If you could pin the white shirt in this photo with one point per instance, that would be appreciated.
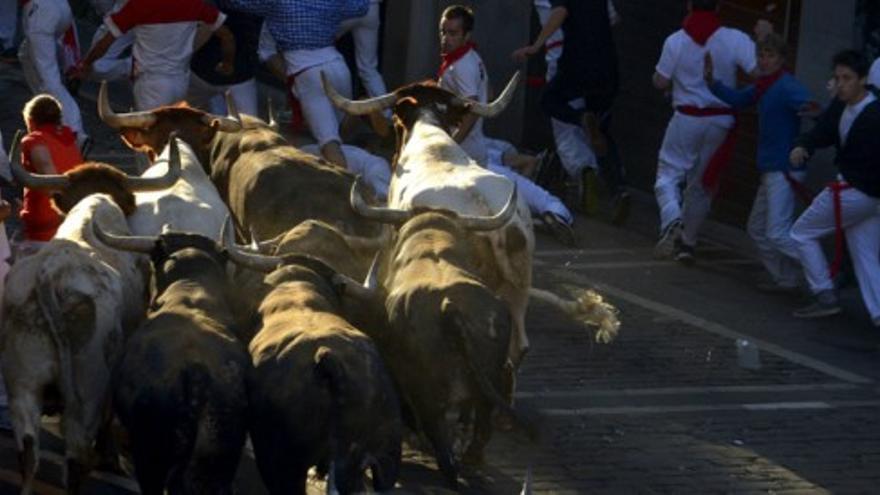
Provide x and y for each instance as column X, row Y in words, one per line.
column 682, row 62
column 874, row 74
column 467, row 77
column 851, row 113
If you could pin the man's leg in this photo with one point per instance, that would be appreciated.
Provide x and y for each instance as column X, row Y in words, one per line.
column 863, row 240
column 697, row 201
column 245, row 97
column 816, row 222
column 203, row 95
column 366, row 43
column 154, row 91
column 757, row 230
column 113, row 66
column 319, row 113
column 677, row 155
column 780, row 217
column 540, row 202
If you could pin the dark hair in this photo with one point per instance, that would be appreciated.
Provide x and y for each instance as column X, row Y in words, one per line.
column 42, row 109
column 461, row 12
column 773, row 43
column 853, row 59
column 710, row 5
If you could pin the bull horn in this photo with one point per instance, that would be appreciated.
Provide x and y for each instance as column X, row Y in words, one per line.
column 366, row 291
column 359, row 107
column 379, row 214
column 167, row 180
column 485, row 223
column 273, row 121
column 497, row 106
column 239, row 256
column 231, row 107
column 27, row 179
column 140, row 120
column 222, row 124
column 527, row 483
column 132, row 243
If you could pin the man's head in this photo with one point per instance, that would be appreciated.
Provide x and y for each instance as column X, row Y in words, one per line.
column 772, row 51
column 456, row 25
column 850, row 75
column 42, row 109
column 703, row 5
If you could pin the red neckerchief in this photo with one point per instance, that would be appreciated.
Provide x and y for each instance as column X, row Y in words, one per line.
column 763, row 83
column 454, row 56
column 61, row 133
column 700, row 25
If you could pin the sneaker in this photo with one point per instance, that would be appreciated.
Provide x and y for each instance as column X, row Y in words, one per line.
column 561, row 230
column 666, row 244
column 684, row 254
column 818, row 309
column 620, row 205
column 589, row 192
column 597, row 138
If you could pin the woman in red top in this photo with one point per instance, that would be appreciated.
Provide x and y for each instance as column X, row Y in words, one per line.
column 48, row 148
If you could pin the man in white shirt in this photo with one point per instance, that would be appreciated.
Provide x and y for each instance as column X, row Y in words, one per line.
column 164, row 31
column 849, row 206
column 115, row 65
column 463, row 73
column 698, row 138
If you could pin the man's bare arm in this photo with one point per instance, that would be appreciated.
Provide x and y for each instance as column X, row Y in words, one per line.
column 554, row 22
column 42, row 160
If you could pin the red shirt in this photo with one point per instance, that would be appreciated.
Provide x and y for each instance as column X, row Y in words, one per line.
column 39, row 219
column 138, row 12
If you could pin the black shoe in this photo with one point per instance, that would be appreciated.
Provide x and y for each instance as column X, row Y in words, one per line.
column 666, row 244
column 560, row 229
column 684, row 254
column 818, row 309
column 620, row 206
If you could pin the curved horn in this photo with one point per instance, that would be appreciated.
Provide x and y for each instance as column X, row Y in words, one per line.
column 167, row 180
column 27, row 179
column 360, row 107
column 481, row 223
column 497, row 106
column 133, row 243
column 222, row 124
column 379, row 214
column 231, row 107
column 239, row 256
column 141, row 120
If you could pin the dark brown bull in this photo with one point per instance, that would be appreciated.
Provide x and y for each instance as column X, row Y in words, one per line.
column 269, row 185
column 181, row 386
column 319, row 391
column 448, row 334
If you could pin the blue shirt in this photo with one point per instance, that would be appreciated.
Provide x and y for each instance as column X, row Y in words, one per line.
column 303, row 24
column 778, row 121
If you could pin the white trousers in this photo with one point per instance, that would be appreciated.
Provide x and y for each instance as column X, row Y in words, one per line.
column 8, row 23
column 688, row 146
column 770, row 225
column 323, row 118
column 211, row 98
column 43, row 24
column 113, row 66
column 861, row 222
column 156, row 90
column 374, row 169
column 365, row 31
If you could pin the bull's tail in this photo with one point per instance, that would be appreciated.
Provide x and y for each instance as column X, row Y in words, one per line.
column 54, row 316
column 588, row 307
column 461, row 328
column 330, row 374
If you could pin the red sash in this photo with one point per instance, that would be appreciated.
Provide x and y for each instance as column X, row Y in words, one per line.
column 724, row 154
column 454, row 56
column 800, row 190
column 837, row 187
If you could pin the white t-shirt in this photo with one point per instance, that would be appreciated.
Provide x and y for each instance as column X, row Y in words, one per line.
column 682, row 62
column 467, row 77
column 874, row 74
column 850, row 113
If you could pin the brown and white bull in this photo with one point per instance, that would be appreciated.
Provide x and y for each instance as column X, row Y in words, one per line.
column 67, row 310
column 268, row 185
column 181, row 388
column 431, row 170
column 448, row 334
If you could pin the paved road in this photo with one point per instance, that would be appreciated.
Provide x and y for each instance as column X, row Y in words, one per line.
column 664, row 409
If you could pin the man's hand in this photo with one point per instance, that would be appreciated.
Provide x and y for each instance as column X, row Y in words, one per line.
column 523, row 54
column 799, row 156
column 708, row 69
column 810, row 109
column 763, row 28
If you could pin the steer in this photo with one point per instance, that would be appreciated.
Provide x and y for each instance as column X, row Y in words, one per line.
column 448, row 334
column 268, row 185
column 66, row 311
column 180, row 390
column 431, row 170
column 319, row 392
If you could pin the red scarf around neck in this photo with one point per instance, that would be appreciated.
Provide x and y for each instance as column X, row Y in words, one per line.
column 700, row 25
column 764, row 83
column 454, row 56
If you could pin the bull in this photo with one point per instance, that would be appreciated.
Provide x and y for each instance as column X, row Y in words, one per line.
column 180, row 390
column 268, row 185
column 67, row 310
column 319, row 392
column 431, row 170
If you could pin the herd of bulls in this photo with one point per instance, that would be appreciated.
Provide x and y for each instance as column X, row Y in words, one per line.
column 242, row 287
